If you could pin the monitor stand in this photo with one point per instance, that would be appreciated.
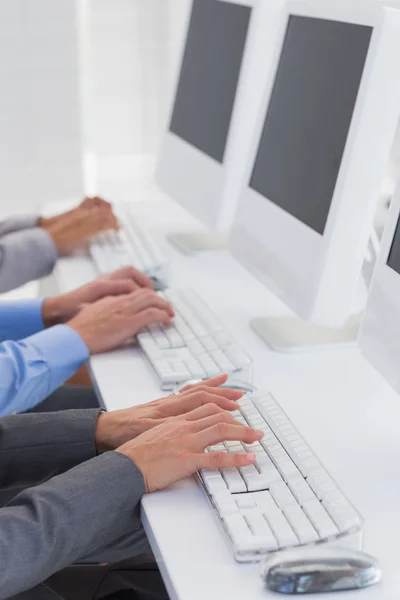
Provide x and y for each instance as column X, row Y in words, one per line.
column 295, row 335
column 198, row 241
column 292, row 334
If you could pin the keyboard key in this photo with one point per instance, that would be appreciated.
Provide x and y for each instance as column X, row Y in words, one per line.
column 131, row 245
column 215, row 484
column 225, row 503
column 300, row 524
column 282, row 495
column 300, row 490
column 321, row 484
column 246, row 501
column 260, row 528
column 341, row 511
column 320, row 518
column 278, row 523
column 236, row 356
column 234, row 480
column 238, row 529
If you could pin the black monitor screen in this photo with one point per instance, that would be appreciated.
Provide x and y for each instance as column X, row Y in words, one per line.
column 394, row 254
column 309, row 116
column 209, row 75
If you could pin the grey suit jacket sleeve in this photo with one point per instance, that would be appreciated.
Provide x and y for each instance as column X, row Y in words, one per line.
column 58, row 522
column 17, row 223
column 24, row 256
column 37, row 446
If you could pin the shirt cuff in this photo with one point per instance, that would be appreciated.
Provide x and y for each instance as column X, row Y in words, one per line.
column 63, row 350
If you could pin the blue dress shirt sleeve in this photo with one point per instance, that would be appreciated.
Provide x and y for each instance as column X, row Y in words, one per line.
column 31, row 369
column 20, row 318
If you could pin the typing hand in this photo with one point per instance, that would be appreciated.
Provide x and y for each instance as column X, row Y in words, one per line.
column 112, row 321
column 115, row 428
column 121, row 282
column 176, row 449
column 75, row 228
column 87, row 203
column 129, row 273
column 94, row 201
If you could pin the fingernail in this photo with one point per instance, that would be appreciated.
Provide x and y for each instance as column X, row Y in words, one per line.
column 259, row 433
column 251, row 457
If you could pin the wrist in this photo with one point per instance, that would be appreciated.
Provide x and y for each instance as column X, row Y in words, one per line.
column 52, row 311
column 116, row 428
column 46, row 222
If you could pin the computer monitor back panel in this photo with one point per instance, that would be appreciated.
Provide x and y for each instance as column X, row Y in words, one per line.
column 220, row 40
column 319, row 154
column 379, row 337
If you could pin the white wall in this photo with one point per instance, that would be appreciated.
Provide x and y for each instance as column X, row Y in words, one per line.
column 40, row 120
column 133, row 49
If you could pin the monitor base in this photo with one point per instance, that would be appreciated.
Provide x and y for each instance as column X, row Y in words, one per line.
column 198, row 241
column 295, row 335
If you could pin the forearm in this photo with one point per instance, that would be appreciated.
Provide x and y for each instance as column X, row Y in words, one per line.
column 33, row 368
column 53, row 525
column 24, row 256
column 35, row 447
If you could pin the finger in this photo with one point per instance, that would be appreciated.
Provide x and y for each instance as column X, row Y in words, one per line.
column 141, row 279
column 196, row 399
column 148, row 299
column 190, row 402
column 107, row 219
column 222, row 432
column 200, row 412
column 114, row 288
column 213, row 382
column 201, row 388
column 223, row 460
column 99, row 201
column 150, row 315
column 124, row 273
column 211, row 420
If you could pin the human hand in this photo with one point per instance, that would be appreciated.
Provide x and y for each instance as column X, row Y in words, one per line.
column 94, row 201
column 112, row 321
column 74, row 229
column 176, row 449
column 87, row 203
column 121, row 282
column 117, row 427
column 139, row 279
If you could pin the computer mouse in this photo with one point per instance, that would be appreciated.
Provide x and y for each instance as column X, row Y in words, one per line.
column 319, row 569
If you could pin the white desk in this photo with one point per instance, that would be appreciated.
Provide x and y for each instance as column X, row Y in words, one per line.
column 343, row 408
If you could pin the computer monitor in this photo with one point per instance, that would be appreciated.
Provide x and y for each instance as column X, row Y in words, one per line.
column 379, row 338
column 221, row 40
column 319, row 154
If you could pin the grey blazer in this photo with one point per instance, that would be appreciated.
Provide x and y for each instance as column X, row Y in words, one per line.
column 26, row 252
column 80, row 501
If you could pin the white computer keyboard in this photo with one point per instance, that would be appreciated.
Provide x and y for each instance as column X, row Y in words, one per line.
column 197, row 346
column 287, row 498
column 133, row 245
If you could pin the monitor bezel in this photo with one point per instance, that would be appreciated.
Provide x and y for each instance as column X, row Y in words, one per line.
column 319, row 279
column 379, row 338
column 188, row 175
